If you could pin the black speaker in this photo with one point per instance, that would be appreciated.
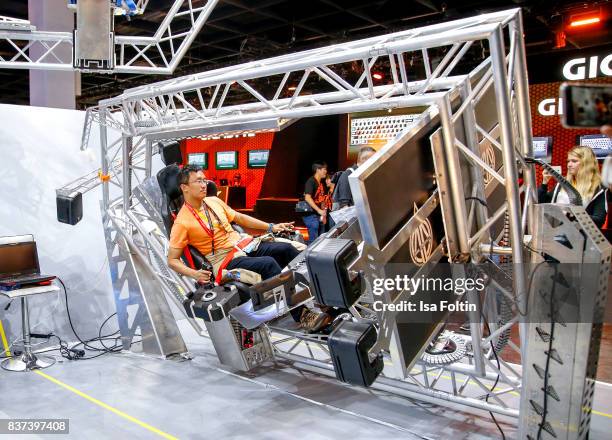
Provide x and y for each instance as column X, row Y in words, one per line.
column 171, row 152
column 69, row 208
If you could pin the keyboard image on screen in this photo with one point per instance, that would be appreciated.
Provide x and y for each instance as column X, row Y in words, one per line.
column 366, row 130
column 599, row 143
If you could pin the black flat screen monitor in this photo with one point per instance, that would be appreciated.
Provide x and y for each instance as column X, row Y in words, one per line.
column 258, row 158
column 599, row 143
column 542, row 148
column 227, row 160
column 198, row 159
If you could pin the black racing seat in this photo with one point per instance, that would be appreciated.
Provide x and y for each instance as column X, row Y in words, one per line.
column 172, row 201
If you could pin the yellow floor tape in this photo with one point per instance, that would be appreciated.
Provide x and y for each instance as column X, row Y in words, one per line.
column 7, row 350
column 107, row 407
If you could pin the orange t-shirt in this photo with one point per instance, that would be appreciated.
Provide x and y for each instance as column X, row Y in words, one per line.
column 187, row 230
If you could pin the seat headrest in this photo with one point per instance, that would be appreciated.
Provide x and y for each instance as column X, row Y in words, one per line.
column 168, row 181
column 170, row 152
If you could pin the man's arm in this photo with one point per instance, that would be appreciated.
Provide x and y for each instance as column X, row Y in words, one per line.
column 176, row 264
column 343, row 193
column 252, row 223
column 599, row 211
column 312, row 204
column 309, row 191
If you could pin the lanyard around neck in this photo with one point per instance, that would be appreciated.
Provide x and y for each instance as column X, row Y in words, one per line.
column 210, row 229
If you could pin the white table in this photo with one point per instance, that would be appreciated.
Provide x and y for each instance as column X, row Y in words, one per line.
column 28, row 360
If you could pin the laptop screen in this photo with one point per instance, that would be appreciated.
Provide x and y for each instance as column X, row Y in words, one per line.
column 18, row 259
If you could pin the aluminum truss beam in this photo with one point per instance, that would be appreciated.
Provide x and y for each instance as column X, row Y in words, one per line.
column 133, row 54
column 206, row 99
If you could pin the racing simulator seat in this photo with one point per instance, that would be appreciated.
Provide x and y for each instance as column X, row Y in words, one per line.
column 240, row 341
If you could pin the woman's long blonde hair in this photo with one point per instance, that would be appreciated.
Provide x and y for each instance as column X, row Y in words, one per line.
column 588, row 179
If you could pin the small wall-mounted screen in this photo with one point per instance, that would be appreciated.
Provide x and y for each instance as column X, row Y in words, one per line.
column 542, row 148
column 258, row 158
column 227, row 160
column 599, row 143
column 198, row 159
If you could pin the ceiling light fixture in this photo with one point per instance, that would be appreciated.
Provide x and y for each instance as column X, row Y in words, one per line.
column 584, row 21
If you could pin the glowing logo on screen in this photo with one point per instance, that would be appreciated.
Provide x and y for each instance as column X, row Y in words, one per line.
column 421, row 242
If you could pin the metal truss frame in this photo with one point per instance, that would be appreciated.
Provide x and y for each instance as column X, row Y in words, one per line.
column 133, row 54
column 205, row 99
column 200, row 104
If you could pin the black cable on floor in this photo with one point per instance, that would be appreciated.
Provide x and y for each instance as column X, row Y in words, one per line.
column 115, row 348
column 496, row 381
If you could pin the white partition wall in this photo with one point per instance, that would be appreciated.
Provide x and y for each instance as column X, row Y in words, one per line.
column 40, row 151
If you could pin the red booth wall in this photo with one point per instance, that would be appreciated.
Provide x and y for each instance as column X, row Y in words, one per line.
column 251, row 178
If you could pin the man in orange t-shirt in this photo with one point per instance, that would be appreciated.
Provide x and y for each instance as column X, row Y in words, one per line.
column 205, row 223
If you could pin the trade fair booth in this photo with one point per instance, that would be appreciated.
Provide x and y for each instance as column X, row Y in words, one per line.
column 459, row 303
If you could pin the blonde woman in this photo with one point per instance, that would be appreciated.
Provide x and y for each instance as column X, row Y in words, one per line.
column 583, row 174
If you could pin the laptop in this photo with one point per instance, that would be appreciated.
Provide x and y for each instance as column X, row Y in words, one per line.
column 19, row 263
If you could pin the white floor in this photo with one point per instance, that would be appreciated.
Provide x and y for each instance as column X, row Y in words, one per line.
column 138, row 397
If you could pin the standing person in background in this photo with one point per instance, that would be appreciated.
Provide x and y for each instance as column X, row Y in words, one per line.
column 583, row 174
column 342, row 195
column 317, row 193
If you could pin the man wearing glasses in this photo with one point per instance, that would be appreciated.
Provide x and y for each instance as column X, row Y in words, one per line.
column 205, row 223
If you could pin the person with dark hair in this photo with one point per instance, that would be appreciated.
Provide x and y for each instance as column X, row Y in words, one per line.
column 205, row 223
column 317, row 193
column 342, row 195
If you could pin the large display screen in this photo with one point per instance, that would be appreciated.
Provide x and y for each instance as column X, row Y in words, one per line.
column 198, row 159
column 599, row 143
column 227, row 160
column 258, row 158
